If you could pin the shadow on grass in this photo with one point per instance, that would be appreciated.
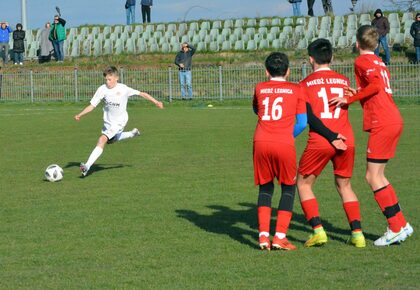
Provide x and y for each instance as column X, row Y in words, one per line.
column 227, row 221
column 97, row 167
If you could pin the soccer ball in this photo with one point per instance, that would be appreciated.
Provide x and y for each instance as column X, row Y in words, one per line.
column 54, row 173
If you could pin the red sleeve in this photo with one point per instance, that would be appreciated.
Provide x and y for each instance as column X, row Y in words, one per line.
column 302, row 99
column 369, row 91
column 255, row 102
column 369, row 75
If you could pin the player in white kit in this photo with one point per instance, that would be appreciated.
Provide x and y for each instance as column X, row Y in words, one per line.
column 115, row 97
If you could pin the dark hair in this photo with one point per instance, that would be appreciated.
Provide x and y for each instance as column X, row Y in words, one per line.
column 367, row 36
column 19, row 25
column 277, row 64
column 111, row 70
column 321, row 51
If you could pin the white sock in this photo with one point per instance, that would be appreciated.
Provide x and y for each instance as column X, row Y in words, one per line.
column 124, row 135
column 280, row 235
column 264, row 234
column 94, row 156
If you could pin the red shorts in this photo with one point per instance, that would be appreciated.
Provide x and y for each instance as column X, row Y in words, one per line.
column 383, row 141
column 314, row 160
column 274, row 160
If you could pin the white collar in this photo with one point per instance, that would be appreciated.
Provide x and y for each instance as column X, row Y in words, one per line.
column 368, row 52
column 323, row 69
column 278, row 79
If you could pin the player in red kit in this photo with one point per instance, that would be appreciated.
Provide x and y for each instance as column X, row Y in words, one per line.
column 277, row 103
column 324, row 120
column 383, row 122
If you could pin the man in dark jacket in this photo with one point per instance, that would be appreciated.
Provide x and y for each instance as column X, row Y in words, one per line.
column 18, row 44
column 415, row 33
column 146, row 7
column 183, row 60
column 380, row 22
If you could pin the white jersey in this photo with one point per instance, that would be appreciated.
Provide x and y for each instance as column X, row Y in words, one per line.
column 115, row 103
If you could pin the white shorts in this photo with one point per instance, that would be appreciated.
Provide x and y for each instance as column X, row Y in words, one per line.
column 110, row 131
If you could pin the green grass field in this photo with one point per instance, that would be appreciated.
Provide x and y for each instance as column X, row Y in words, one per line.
column 176, row 207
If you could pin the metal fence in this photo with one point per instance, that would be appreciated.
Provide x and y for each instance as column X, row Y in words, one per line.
column 209, row 83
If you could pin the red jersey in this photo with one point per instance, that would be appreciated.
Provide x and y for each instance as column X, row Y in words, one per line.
column 321, row 86
column 278, row 102
column 378, row 110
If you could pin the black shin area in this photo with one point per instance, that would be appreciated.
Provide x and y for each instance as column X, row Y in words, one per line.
column 287, row 197
column 265, row 194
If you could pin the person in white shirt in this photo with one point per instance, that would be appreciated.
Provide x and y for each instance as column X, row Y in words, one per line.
column 115, row 96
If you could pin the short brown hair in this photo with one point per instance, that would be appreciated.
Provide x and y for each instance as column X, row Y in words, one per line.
column 367, row 36
column 111, row 70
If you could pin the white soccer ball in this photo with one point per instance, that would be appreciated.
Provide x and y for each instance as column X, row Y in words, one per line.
column 54, row 173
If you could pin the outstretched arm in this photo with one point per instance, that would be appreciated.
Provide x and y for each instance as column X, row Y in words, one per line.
column 352, row 95
column 151, row 99
column 85, row 111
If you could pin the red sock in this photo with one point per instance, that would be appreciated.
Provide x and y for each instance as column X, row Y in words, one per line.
column 400, row 215
column 264, row 217
column 310, row 209
column 384, row 199
column 352, row 209
column 283, row 221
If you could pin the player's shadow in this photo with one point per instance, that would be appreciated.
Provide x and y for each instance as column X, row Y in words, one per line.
column 97, row 167
column 242, row 225
column 238, row 224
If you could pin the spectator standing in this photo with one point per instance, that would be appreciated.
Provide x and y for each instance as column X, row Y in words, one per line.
column 130, row 9
column 326, row 4
column 296, row 7
column 45, row 48
column 5, row 30
column 18, row 44
column 415, row 33
column 57, row 37
column 183, row 60
column 381, row 23
column 146, row 7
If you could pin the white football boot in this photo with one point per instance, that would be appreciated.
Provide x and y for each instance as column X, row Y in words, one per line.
column 408, row 229
column 135, row 132
column 390, row 238
column 83, row 169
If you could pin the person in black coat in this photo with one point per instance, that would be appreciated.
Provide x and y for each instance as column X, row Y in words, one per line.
column 415, row 33
column 18, row 44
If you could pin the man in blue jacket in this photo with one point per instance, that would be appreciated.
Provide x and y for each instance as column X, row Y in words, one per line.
column 5, row 30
